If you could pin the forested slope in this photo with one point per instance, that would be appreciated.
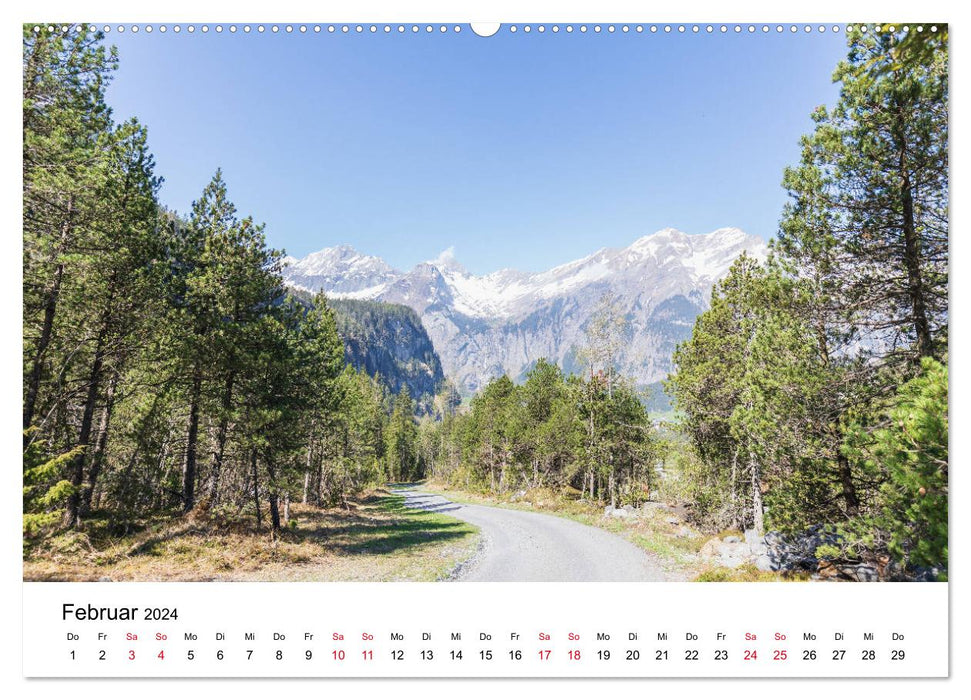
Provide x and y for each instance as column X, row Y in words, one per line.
column 388, row 342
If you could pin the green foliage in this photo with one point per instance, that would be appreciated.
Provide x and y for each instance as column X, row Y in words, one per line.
column 868, row 211
column 165, row 368
column 783, row 386
column 552, row 431
column 401, row 441
column 750, row 383
column 44, row 491
column 910, row 453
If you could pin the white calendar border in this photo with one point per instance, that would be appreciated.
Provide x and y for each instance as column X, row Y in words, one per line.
column 560, row 620
column 445, row 10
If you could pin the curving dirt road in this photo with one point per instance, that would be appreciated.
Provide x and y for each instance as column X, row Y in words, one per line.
column 525, row 546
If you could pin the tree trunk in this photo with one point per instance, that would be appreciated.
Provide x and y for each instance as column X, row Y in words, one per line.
column 37, row 365
column 286, row 507
column 850, row 497
column 221, row 433
column 274, row 512
column 273, row 498
column 97, row 458
column 72, row 511
column 736, row 516
column 915, row 282
column 256, row 491
column 47, row 329
column 165, row 469
column 321, row 480
column 758, row 517
column 191, row 443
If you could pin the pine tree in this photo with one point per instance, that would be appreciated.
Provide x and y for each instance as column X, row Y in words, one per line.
column 226, row 280
column 748, row 383
column 118, row 296
column 66, row 133
column 401, row 448
column 869, row 199
column 909, row 454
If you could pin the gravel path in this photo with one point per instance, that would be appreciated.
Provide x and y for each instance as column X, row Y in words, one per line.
column 525, row 546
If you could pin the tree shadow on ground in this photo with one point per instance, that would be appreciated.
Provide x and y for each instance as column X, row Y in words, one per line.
column 406, row 528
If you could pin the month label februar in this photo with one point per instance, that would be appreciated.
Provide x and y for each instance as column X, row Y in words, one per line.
column 429, row 629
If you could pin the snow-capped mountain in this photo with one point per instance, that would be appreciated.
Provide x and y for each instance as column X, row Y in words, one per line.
column 341, row 270
column 483, row 326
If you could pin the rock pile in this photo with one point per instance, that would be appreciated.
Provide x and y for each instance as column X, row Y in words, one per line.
column 797, row 552
column 794, row 552
column 733, row 551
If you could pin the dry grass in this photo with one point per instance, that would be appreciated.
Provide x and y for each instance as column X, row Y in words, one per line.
column 748, row 574
column 375, row 539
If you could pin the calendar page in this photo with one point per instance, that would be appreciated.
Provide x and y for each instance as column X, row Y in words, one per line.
column 430, row 348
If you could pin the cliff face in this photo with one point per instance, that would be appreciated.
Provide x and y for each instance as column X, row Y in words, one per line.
column 390, row 342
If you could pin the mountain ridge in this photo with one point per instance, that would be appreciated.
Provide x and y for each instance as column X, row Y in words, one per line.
column 501, row 322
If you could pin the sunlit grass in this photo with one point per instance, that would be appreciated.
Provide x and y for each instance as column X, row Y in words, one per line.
column 375, row 539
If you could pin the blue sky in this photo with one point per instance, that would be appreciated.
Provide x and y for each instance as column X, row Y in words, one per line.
column 517, row 150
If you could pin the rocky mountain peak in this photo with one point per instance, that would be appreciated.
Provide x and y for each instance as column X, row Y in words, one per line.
column 482, row 325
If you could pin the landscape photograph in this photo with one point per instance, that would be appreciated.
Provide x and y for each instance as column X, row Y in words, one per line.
column 547, row 302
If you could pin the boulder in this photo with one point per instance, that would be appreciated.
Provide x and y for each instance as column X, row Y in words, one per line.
column 798, row 551
column 765, row 563
column 844, row 571
column 924, row 573
column 734, row 554
column 755, row 543
column 724, row 553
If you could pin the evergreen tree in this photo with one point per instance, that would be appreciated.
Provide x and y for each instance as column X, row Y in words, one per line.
column 161, row 352
column 333, row 426
column 492, row 431
column 118, row 296
column 66, row 133
column 869, row 199
column 547, row 424
column 401, row 440
column 226, row 280
column 909, row 454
